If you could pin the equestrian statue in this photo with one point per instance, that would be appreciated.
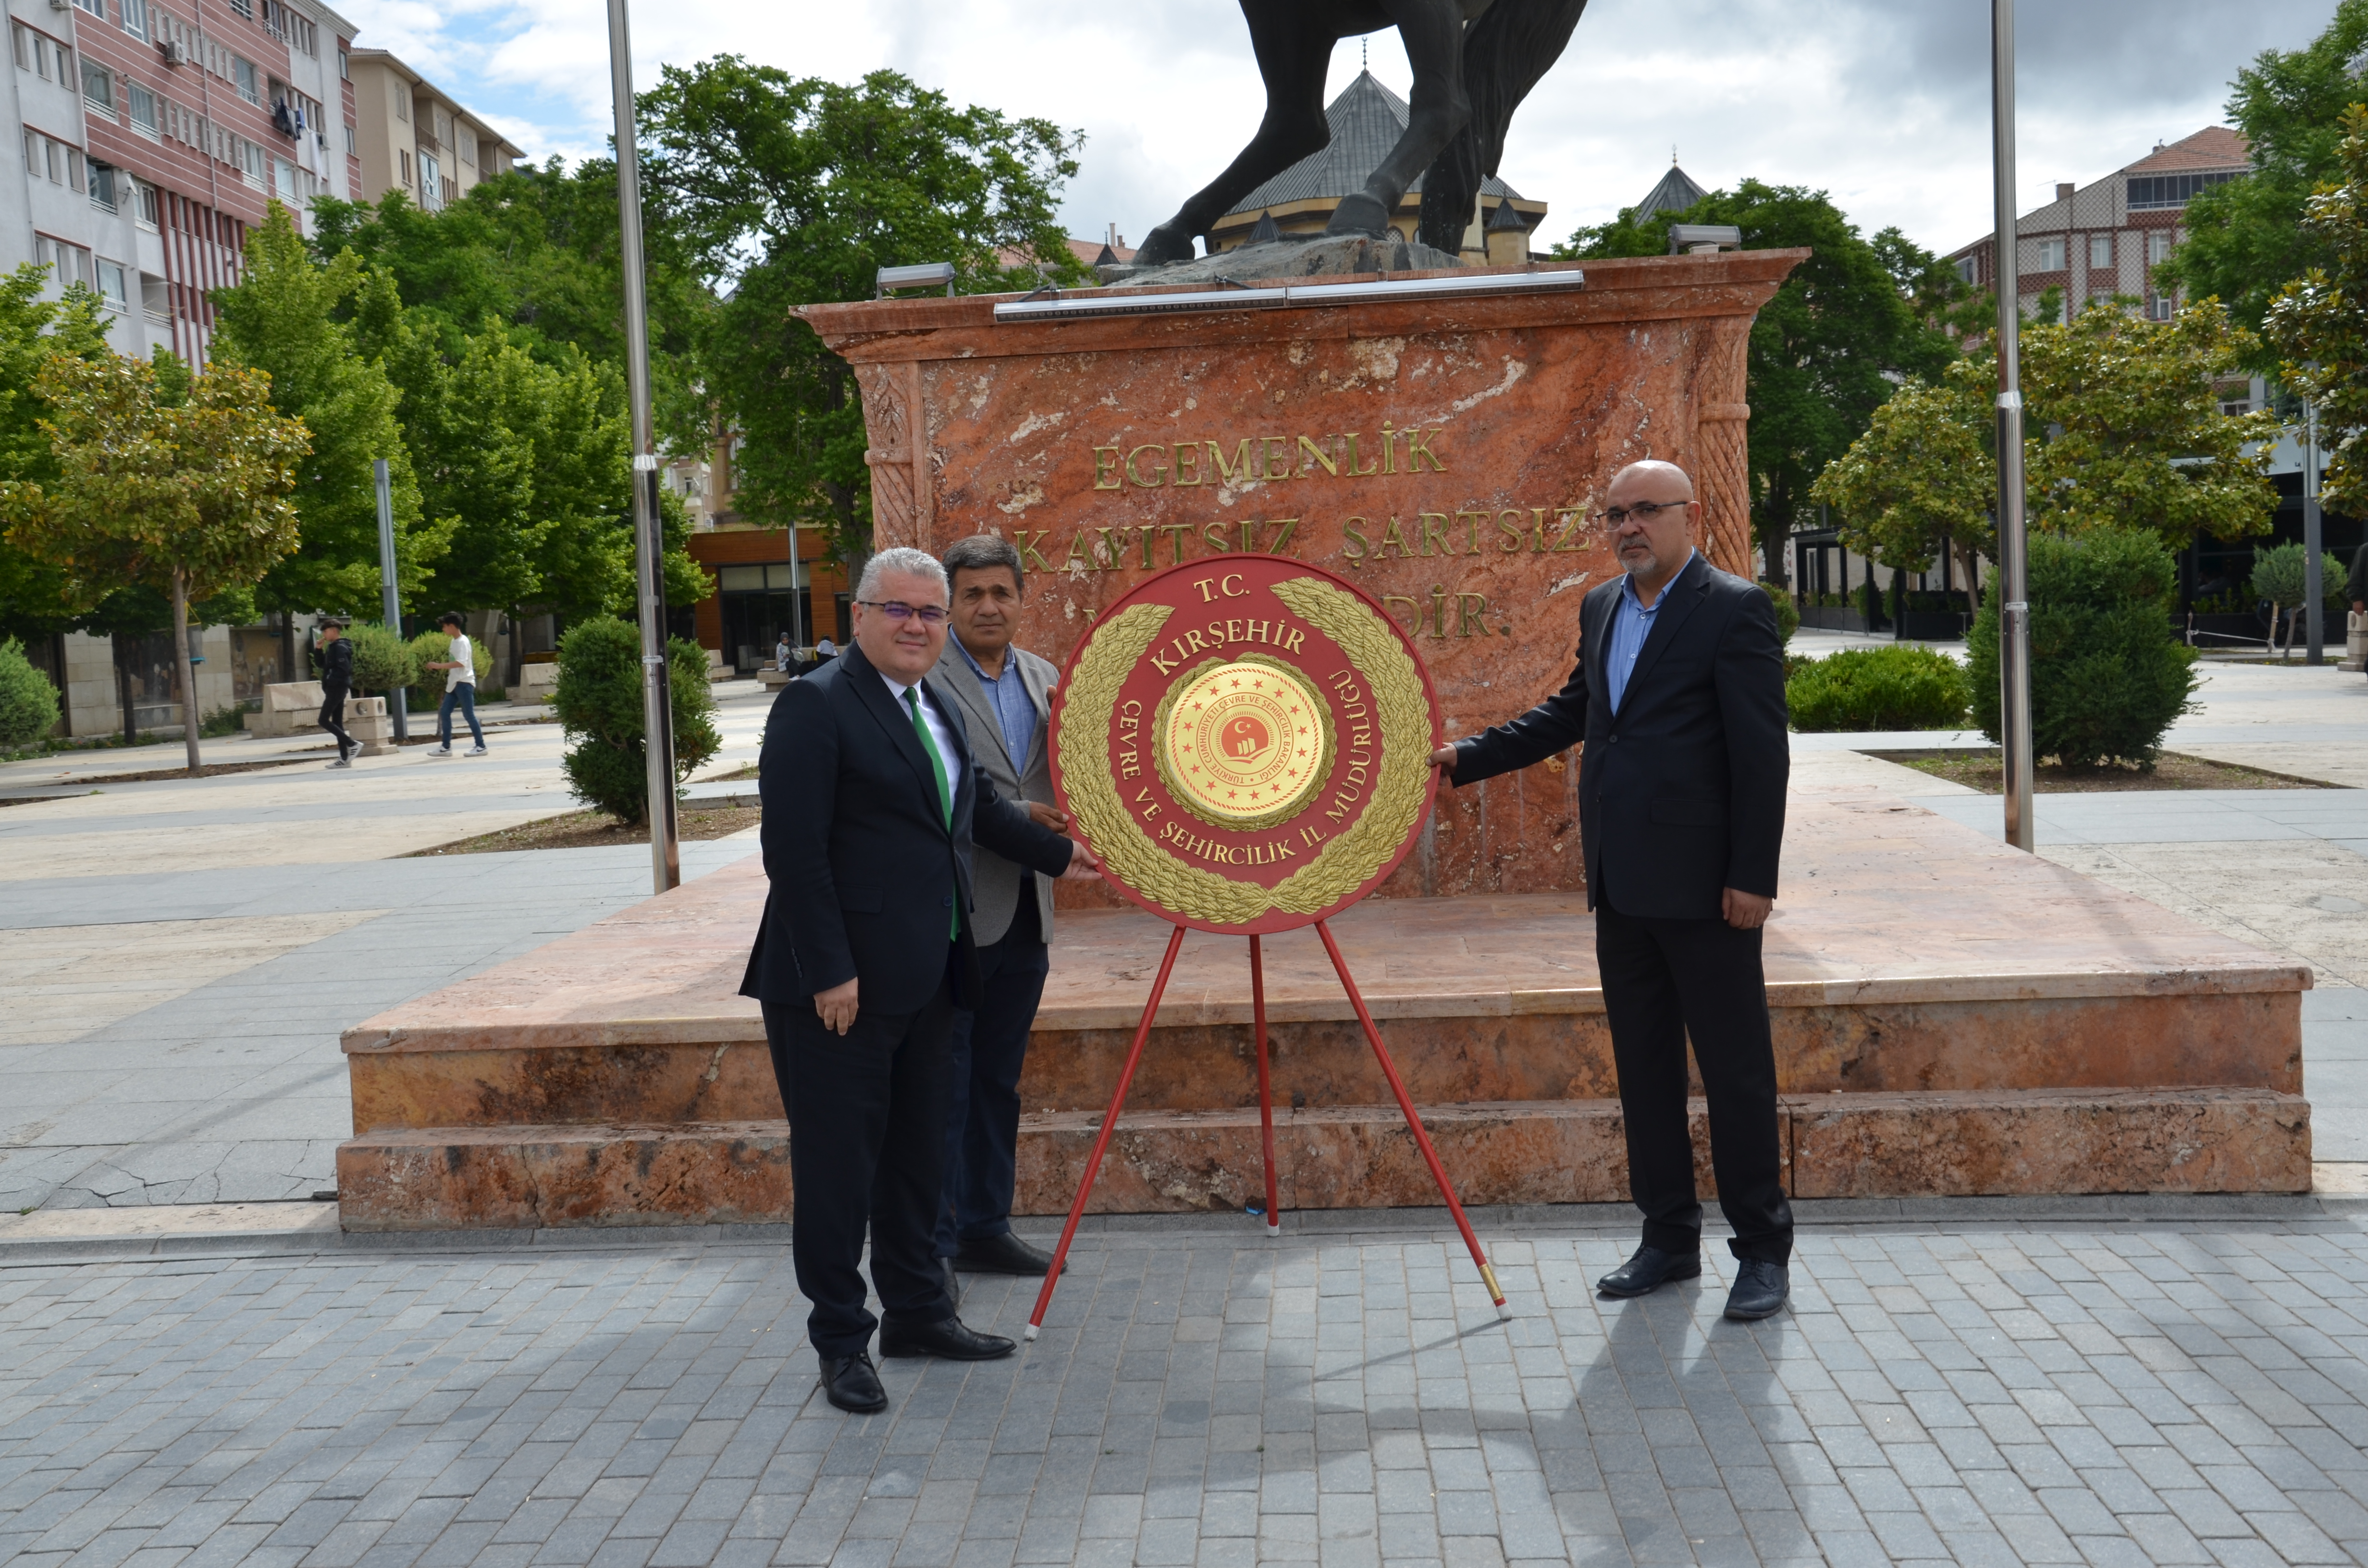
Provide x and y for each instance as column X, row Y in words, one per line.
column 1473, row 61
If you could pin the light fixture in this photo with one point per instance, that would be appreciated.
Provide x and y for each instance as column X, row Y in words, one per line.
column 1291, row 296
column 927, row 275
column 1705, row 239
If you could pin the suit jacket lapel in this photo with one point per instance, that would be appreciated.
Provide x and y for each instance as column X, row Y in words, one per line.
column 872, row 692
column 967, row 694
column 1041, row 696
column 1683, row 593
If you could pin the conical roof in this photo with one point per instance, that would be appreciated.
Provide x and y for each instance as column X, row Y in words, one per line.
column 1675, row 192
column 1367, row 119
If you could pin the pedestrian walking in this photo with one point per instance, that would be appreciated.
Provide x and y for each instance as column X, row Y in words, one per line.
column 1679, row 698
column 460, row 690
column 336, row 683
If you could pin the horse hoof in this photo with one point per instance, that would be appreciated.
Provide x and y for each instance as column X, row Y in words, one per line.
column 1361, row 214
column 1163, row 245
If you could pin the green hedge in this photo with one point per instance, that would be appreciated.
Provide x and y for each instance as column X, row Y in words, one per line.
column 1788, row 614
column 29, row 703
column 599, row 700
column 427, row 689
column 2108, row 679
column 382, row 661
column 1903, row 686
column 2279, row 577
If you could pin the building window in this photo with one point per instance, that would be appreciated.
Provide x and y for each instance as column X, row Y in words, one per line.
column 243, row 7
column 2157, row 248
column 431, row 184
column 402, row 105
column 95, row 7
column 242, row 73
column 2051, row 255
column 135, row 18
column 2100, row 252
column 150, row 207
column 111, row 286
column 345, row 66
column 69, row 265
column 1967, row 267
column 404, row 159
column 353, row 140
column 104, row 180
column 2156, row 192
column 142, row 104
column 283, row 178
column 99, row 87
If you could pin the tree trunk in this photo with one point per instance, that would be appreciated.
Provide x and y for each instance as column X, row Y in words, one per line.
column 188, row 671
column 123, row 686
column 514, row 668
column 288, row 670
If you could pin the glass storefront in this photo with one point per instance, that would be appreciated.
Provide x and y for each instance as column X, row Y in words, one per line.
column 759, row 605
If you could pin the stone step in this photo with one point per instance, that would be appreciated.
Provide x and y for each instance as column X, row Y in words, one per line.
column 2023, row 1142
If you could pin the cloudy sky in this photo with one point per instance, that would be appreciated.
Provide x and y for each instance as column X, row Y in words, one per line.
column 1883, row 103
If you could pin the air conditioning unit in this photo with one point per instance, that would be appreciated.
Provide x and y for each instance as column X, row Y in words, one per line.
column 173, row 50
column 60, row 4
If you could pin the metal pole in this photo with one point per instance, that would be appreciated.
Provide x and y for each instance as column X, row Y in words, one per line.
column 398, row 701
column 2314, row 587
column 657, row 721
column 2014, row 623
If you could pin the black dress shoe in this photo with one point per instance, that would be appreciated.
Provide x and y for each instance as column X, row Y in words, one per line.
column 1649, row 1270
column 1005, row 1253
column 850, row 1382
column 946, row 1338
column 1761, row 1288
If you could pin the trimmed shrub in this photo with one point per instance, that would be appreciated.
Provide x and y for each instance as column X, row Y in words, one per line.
column 1903, row 686
column 382, row 661
column 1788, row 614
column 29, row 703
column 599, row 700
column 2279, row 577
column 427, row 689
column 2107, row 677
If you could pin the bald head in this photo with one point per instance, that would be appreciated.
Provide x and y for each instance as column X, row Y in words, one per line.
column 1651, row 480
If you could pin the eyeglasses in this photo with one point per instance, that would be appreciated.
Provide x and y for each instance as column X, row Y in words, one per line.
column 900, row 612
column 1643, row 511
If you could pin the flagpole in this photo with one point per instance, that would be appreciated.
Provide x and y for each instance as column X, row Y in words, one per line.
column 2014, row 623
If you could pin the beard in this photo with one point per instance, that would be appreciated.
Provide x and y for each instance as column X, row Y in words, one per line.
column 1641, row 563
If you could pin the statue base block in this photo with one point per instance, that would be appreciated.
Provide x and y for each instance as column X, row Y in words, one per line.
column 1952, row 1018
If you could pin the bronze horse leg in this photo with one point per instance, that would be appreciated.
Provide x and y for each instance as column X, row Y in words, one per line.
column 1293, row 42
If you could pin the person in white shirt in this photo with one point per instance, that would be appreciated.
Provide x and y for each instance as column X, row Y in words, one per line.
column 460, row 687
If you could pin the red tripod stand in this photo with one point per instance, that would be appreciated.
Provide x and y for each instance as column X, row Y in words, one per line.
column 1266, row 1114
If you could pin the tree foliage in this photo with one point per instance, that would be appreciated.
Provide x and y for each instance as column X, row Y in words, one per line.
column 1825, row 351
column 2319, row 323
column 284, row 317
column 2246, row 239
column 2107, row 678
column 2123, row 429
column 33, row 600
column 782, row 191
column 29, row 703
column 599, row 701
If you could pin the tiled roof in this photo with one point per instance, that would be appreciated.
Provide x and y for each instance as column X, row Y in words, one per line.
column 1675, row 192
column 1367, row 119
column 2213, row 147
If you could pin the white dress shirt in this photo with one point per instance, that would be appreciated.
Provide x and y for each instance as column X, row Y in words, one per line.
column 949, row 754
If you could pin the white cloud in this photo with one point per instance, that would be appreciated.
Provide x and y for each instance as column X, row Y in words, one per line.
column 1883, row 103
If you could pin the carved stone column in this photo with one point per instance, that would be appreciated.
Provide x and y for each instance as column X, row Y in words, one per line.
column 900, row 463
column 1722, row 477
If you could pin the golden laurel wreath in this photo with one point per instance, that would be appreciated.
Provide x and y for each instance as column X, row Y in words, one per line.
column 1343, row 865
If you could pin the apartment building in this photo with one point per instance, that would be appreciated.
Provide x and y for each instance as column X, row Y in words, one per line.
column 2105, row 238
column 410, row 136
column 152, row 135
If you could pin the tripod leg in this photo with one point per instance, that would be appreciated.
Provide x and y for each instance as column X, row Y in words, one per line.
column 1266, row 1089
column 1413, row 1121
column 1110, row 1126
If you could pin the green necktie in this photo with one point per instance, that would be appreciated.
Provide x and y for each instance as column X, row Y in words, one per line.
column 945, row 796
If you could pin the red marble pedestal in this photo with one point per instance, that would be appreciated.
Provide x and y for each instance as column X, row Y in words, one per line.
column 1443, row 453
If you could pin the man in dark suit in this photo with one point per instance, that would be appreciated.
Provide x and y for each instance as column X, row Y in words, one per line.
column 1004, row 694
column 1679, row 698
column 871, row 802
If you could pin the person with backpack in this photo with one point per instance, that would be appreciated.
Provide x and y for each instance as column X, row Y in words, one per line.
column 459, row 687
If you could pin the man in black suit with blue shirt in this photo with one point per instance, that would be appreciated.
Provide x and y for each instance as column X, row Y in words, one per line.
column 1679, row 698
column 873, row 801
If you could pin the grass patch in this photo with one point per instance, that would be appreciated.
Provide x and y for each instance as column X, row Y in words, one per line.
column 1983, row 770
column 592, row 829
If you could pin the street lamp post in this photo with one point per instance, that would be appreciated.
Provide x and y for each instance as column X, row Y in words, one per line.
column 649, row 545
column 2014, row 623
column 2314, row 533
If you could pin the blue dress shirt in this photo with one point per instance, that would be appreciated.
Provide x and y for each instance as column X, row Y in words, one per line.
column 1008, row 695
column 1631, row 622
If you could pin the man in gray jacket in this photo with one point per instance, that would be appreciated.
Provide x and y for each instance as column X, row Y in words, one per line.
column 1004, row 694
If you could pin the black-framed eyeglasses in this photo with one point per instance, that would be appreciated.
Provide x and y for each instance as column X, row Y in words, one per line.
column 899, row 611
column 1643, row 511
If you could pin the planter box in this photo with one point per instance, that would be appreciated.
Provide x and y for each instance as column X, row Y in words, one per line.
column 1934, row 625
column 1825, row 620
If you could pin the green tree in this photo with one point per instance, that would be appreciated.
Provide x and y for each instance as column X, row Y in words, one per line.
column 176, row 481
column 599, row 701
column 283, row 318
column 33, row 597
column 2319, row 323
column 2246, row 239
column 782, row 191
column 2124, row 431
column 1825, row 351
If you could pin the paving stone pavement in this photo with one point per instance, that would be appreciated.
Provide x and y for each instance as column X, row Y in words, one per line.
column 2186, row 1392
